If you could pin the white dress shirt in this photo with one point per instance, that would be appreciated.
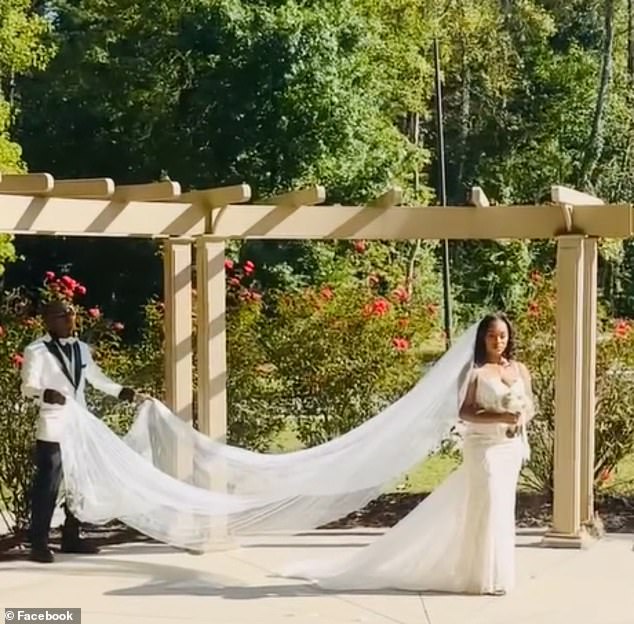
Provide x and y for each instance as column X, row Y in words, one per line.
column 41, row 370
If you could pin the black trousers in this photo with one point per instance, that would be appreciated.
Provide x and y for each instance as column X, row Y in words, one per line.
column 48, row 477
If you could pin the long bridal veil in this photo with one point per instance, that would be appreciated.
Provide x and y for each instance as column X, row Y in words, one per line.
column 180, row 487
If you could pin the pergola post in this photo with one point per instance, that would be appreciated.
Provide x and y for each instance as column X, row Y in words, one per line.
column 177, row 281
column 211, row 338
column 212, row 368
column 569, row 199
column 566, row 525
column 211, row 347
column 177, row 286
column 588, row 403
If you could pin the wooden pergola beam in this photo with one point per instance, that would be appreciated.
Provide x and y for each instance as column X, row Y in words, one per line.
column 26, row 214
column 28, row 183
column 218, row 197
column 478, row 198
column 89, row 188
column 572, row 197
column 391, row 197
column 309, row 196
column 157, row 191
column 425, row 222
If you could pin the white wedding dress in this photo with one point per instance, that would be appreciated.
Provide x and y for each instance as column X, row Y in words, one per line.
column 461, row 538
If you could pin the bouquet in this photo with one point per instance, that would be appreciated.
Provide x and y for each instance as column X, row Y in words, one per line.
column 513, row 402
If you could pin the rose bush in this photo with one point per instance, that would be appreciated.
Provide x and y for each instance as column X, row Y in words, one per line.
column 341, row 354
column 614, row 386
column 321, row 359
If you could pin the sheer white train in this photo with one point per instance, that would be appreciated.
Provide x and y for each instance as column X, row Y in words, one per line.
column 461, row 538
column 181, row 488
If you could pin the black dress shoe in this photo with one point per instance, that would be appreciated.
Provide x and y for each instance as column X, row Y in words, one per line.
column 79, row 547
column 41, row 555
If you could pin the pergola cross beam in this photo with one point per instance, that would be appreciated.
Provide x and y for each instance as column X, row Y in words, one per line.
column 39, row 204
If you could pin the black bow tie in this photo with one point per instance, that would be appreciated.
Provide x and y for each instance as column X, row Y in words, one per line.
column 66, row 347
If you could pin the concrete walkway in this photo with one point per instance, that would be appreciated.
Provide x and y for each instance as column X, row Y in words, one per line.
column 149, row 584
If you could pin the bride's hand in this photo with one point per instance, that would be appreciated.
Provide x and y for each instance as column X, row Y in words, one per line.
column 508, row 419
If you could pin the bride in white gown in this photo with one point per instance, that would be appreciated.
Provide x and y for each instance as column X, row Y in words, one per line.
column 461, row 538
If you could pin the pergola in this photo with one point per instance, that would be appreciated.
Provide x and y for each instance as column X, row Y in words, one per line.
column 206, row 219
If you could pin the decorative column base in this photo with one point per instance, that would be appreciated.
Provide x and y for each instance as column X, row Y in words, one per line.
column 582, row 541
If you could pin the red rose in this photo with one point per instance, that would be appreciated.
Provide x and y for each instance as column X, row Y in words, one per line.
column 2, row 332
column 228, row 264
column 80, row 290
column 378, row 307
column 17, row 360
column 622, row 328
column 606, row 475
column 49, row 276
column 533, row 309
column 234, row 281
column 400, row 344
column 326, row 293
column 94, row 313
column 359, row 246
column 401, row 295
column 249, row 267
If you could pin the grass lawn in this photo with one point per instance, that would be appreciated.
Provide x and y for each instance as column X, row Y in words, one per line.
column 431, row 472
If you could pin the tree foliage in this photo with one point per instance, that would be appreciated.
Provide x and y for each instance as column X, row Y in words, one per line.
column 284, row 93
column 24, row 47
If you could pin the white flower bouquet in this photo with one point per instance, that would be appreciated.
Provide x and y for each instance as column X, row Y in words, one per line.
column 512, row 402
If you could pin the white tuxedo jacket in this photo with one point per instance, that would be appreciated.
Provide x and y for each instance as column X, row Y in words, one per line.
column 42, row 370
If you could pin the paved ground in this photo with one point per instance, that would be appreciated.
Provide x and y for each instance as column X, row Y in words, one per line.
column 147, row 584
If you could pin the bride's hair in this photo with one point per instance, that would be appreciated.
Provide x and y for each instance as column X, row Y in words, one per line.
column 480, row 350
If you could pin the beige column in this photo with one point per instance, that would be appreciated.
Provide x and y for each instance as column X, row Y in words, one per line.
column 177, row 276
column 589, row 337
column 212, row 370
column 211, row 338
column 177, row 456
column 566, row 527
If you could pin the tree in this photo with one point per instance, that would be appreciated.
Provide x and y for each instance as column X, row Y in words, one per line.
column 276, row 94
column 24, row 48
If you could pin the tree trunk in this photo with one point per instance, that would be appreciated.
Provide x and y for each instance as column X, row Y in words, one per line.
column 594, row 148
column 465, row 121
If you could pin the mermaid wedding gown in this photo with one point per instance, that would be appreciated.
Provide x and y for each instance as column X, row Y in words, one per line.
column 461, row 538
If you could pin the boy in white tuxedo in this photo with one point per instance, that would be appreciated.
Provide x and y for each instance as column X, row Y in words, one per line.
column 57, row 366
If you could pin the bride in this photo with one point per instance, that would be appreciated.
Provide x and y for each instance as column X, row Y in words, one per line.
column 461, row 539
